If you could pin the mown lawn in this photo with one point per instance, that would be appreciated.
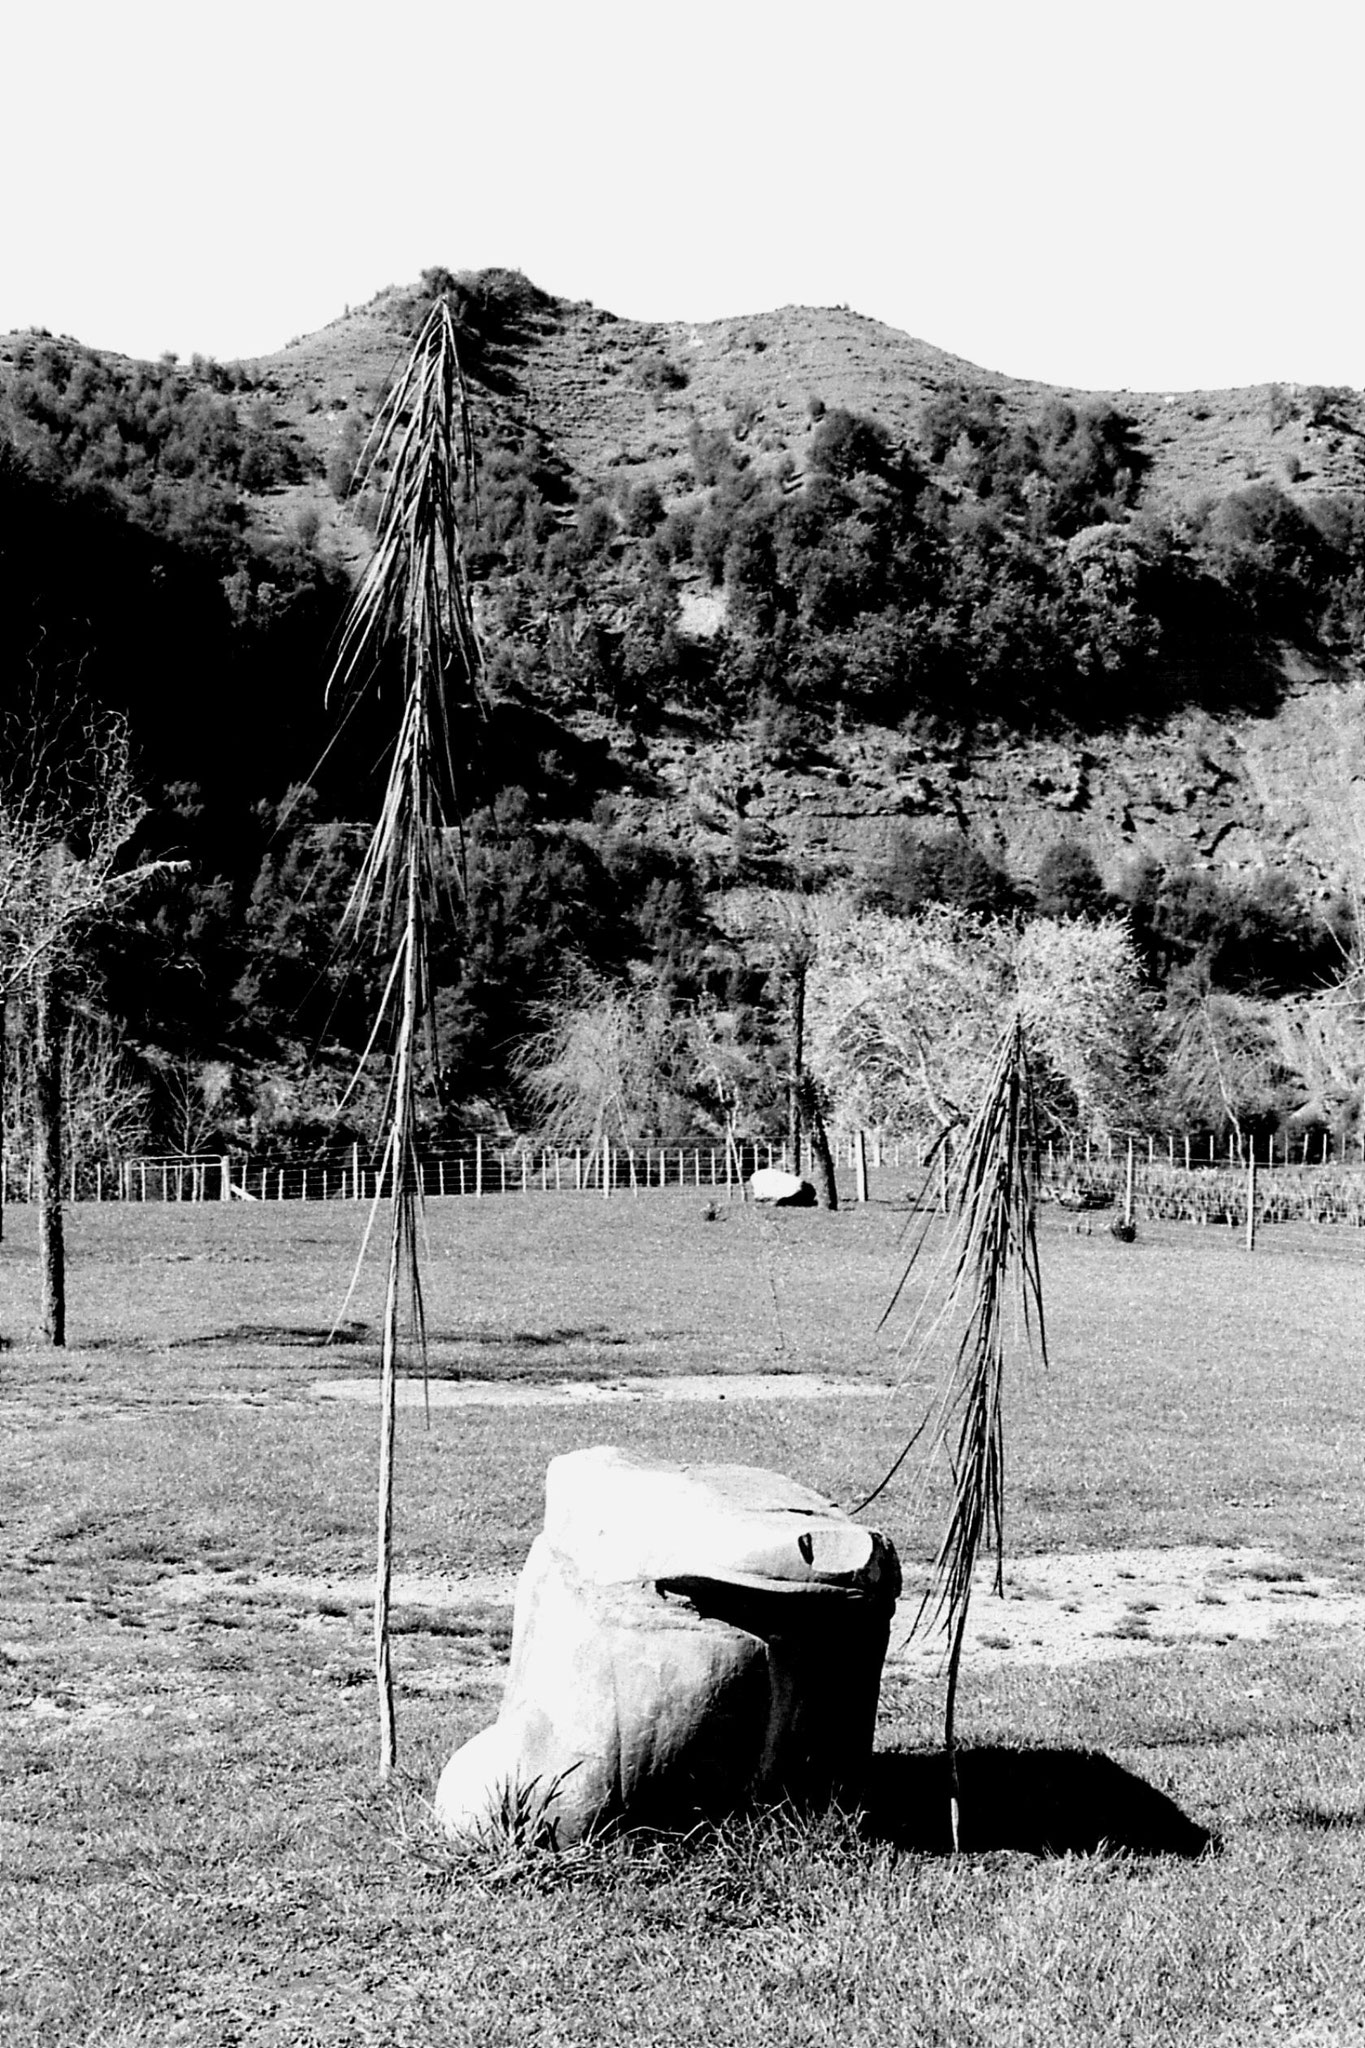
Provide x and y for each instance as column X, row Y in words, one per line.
column 192, row 1846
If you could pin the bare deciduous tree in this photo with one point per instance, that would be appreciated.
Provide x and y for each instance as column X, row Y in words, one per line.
column 69, row 808
column 610, row 1062
column 786, row 929
column 905, row 1015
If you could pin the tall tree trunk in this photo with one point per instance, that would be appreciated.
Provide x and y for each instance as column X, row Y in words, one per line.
column 796, row 1077
column 821, row 1158
column 47, row 1155
column 402, row 1253
column 4, row 1082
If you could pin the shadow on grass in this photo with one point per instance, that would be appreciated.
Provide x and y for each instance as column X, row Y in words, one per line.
column 321, row 1337
column 1045, row 1802
column 1329, row 1818
column 303, row 1336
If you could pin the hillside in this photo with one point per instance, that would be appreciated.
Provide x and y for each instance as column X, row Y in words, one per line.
column 603, row 391
column 788, row 596
column 1263, row 772
column 614, row 403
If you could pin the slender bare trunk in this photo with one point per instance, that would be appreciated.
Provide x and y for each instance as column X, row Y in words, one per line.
column 383, row 1666
column 797, row 1074
column 401, row 1244
column 4, row 1082
column 950, row 1726
column 47, row 1156
column 821, row 1158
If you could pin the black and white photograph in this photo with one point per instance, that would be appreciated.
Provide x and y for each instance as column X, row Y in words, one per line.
column 682, row 1025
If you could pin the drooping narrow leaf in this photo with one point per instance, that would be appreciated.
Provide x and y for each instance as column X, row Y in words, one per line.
column 986, row 1262
column 412, row 607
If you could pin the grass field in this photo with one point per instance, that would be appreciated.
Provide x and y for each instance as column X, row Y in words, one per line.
column 192, row 1846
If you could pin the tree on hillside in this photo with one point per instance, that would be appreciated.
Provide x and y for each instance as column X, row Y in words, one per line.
column 412, row 610
column 1069, row 884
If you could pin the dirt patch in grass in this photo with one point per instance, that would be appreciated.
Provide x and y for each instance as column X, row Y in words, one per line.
column 748, row 1386
column 1085, row 1607
column 1066, row 1609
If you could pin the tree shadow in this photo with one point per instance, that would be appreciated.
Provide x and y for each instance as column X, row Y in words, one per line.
column 302, row 1336
column 323, row 1337
column 1328, row 1819
column 1043, row 1802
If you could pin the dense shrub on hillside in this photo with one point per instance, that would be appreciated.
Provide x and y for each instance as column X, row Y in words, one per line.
column 1063, row 468
column 946, row 867
column 166, row 442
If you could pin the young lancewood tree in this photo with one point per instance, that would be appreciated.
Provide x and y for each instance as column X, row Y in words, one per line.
column 412, row 609
column 986, row 1264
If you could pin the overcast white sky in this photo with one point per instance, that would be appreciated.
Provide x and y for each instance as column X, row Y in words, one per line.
column 1105, row 193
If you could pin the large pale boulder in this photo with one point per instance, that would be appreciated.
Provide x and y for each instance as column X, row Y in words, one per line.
column 784, row 1190
column 687, row 1640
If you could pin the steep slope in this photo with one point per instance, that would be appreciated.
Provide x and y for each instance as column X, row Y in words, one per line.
column 1262, row 769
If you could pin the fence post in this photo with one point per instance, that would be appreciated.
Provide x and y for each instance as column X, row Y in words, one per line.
column 860, row 1163
column 1251, row 1196
column 578, row 1170
column 606, row 1166
column 478, row 1165
column 943, row 1175
column 1128, row 1190
column 355, row 1173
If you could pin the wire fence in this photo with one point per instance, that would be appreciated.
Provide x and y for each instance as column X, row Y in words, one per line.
column 477, row 1167
column 1300, row 1177
column 1296, row 1178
